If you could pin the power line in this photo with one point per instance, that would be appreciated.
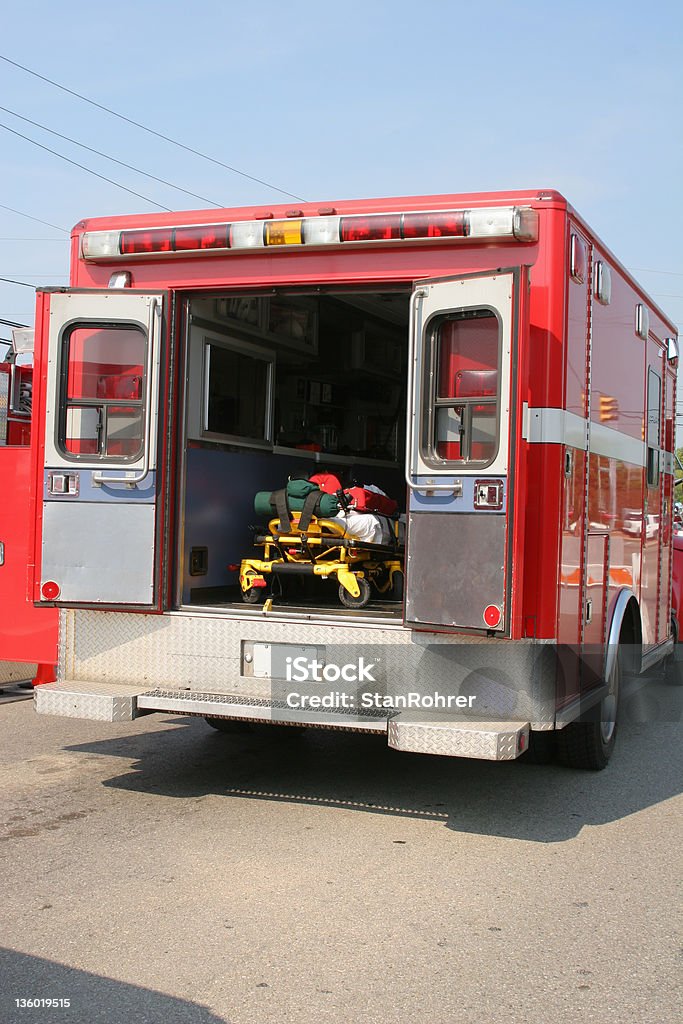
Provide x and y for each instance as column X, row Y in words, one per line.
column 159, row 135
column 36, row 219
column 84, row 168
column 642, row 270
column 9, row 280
column 10, row 323
column 106, row 156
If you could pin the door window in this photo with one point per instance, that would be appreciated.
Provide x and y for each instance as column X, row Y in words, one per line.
column 653, row 426
column 102, row 392
column 463, row 389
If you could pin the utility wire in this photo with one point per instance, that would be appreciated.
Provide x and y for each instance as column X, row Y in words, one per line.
column 159, row 135
column 642, row 270
column 84, row 168
column 10, row 323
column 106, row 156
column 9, row 280
column 19, row 213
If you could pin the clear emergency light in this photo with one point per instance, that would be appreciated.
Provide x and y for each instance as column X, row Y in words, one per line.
column 519, row 223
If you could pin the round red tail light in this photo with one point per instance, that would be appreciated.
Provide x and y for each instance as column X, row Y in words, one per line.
column 492, row 616
column 50, row 590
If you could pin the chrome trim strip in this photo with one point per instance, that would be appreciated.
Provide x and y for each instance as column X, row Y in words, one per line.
column 555, row 426
column 558, row 426
column 616, row 445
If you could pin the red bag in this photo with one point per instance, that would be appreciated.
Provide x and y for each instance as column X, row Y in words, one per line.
column 370, row 501
column 327, row 482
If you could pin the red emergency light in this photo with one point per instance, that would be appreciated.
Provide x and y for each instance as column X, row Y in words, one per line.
column 517, row 223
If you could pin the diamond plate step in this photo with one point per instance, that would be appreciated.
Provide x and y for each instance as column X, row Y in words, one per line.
column 491, row 741
column 98, row 702
column 261, row 709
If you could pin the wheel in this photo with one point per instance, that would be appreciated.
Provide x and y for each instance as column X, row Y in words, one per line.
column 254, row 595
column 589, row 743
column 228, row 725
column 349, row 601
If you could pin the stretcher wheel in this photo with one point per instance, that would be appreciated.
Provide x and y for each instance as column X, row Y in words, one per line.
column 349, row 601
column 254, row 595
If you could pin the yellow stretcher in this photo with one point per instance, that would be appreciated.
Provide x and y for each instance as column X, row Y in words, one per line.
column 324, row 549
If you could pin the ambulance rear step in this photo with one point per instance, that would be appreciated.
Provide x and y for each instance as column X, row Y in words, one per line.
column 111, row 702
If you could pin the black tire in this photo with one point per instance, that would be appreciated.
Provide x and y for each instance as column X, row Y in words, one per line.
column 229, row 725
column 397, row 585
column 349, row 601
column 589, row 743
column 255, row 595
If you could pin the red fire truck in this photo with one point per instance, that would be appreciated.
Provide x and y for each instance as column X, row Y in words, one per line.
column 483, row 360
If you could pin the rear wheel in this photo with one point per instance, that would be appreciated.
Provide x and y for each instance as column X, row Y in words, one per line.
column 590, row 743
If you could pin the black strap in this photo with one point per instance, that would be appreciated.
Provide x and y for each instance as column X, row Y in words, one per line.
column 279, row 500
column 310, row 509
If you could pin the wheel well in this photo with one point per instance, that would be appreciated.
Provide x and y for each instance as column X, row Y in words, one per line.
column 631, row 637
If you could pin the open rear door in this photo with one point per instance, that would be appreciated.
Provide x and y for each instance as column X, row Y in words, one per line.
column 100, row 486
column 463, row 337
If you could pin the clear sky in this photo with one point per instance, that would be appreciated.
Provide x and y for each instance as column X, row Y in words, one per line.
column 329, row 101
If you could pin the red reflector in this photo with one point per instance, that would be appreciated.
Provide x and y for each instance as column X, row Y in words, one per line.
column 492, row 616
column 233, row 567
column 522, row 742
column 367, row 229
column 434, row 225
column 133, row 242
column 213, row 236
column 50, row 590
column 258, row 581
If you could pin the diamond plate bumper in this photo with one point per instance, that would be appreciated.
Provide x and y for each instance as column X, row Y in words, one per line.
column 492, row 741
column 109, row 702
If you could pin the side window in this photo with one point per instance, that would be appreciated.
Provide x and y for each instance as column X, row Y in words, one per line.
column 102, row 392
column 238, row 388
column 653, row 426
column 462, row 389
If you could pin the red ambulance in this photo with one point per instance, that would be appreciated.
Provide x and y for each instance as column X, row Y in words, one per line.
column 484, row 360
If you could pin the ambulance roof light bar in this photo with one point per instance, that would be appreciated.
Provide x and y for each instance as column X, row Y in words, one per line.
column 518, row 223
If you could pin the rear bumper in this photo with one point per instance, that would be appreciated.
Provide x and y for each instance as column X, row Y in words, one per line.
column 494, row 741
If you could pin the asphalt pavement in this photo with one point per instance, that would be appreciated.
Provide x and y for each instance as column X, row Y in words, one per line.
column 159, row 871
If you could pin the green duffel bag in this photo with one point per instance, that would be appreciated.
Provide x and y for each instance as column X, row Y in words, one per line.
column 297, row 492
